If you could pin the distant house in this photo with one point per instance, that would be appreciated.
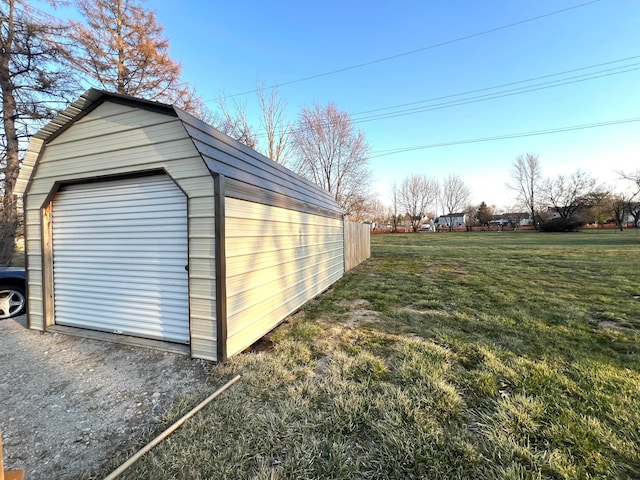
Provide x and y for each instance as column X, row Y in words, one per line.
column 452, row 220
column 553, row 212
column 511, row 219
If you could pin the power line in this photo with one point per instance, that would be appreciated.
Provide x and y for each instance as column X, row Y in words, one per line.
column 417, row 50
column 492, row 96
column 507, row 136
column 506, row 93
column 484, row 89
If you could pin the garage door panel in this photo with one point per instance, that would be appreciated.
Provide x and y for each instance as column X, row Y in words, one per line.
column 120, row 251
column 150, row 275
column 127, row 328
column 141, row 245
column 121, row 316
column 131, row 204
column 128, row 306
column 103, row 261
column 97, row 200
column 150, row 291
column 132, row 219
column 118, row 229
column 128, row 254
column 132, row 235
column 128, row 211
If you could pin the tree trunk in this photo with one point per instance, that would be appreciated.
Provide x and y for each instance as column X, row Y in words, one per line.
column 8, row 216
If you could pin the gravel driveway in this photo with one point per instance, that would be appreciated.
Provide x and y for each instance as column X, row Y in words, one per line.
column 68, row 403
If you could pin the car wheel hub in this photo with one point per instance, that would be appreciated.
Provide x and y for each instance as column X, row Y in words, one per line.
column 11, row 302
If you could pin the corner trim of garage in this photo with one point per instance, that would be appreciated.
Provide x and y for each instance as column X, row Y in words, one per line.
column 121, row 339
column 221, row 267
column 47, row 267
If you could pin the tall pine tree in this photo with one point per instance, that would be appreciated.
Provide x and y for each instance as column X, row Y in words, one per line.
column 122, row 49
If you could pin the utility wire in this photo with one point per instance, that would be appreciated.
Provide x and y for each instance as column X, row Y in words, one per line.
column 507, row 136
column 517, row 82
column 417, row 50
column 506, row 93
column 489, row 96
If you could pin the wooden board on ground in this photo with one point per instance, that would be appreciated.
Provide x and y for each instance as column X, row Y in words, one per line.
column 5, row 474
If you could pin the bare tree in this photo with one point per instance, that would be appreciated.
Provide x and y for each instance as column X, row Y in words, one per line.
column 333, row 154
column 121, row 48
column 633, row 205
column 600, row 209
column 233, row 121
column 570, row 198
column 34, row 85
column 361, row 211
column 418, row 193
column 454, row 196
column 619, row 207
column 526, row 176
column 632, row 177
column 376, row 210
column 514, row 217
column 471, row 217
column 278, row 131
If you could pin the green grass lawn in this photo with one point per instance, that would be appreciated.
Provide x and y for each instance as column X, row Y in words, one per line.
column 464, row 355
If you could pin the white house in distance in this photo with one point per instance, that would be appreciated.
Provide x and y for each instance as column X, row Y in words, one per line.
column 514, row 219
column 454, row 220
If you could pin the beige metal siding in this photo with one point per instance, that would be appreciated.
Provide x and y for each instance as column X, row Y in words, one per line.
column 117, row 139
column 277, row 259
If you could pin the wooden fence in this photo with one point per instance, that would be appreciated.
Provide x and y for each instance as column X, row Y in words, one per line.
column 357, row 244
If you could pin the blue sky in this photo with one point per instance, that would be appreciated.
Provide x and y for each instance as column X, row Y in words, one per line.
column 226, row 47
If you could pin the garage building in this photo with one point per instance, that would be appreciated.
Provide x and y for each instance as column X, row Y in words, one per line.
column 145, row 224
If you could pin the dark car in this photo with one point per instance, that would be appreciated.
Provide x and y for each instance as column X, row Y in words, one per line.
column 12, row 287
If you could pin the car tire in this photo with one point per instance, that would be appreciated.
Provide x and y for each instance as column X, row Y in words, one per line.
column 13, row 301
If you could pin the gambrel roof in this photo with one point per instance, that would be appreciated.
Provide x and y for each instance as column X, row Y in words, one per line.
column 248, row 174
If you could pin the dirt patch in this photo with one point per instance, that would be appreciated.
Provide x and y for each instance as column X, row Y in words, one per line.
column 358, row 312
column 264, row 344
column 68, row 403
column 355, row 304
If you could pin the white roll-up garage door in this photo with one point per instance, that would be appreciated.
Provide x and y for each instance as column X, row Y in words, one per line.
column 120, row 256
